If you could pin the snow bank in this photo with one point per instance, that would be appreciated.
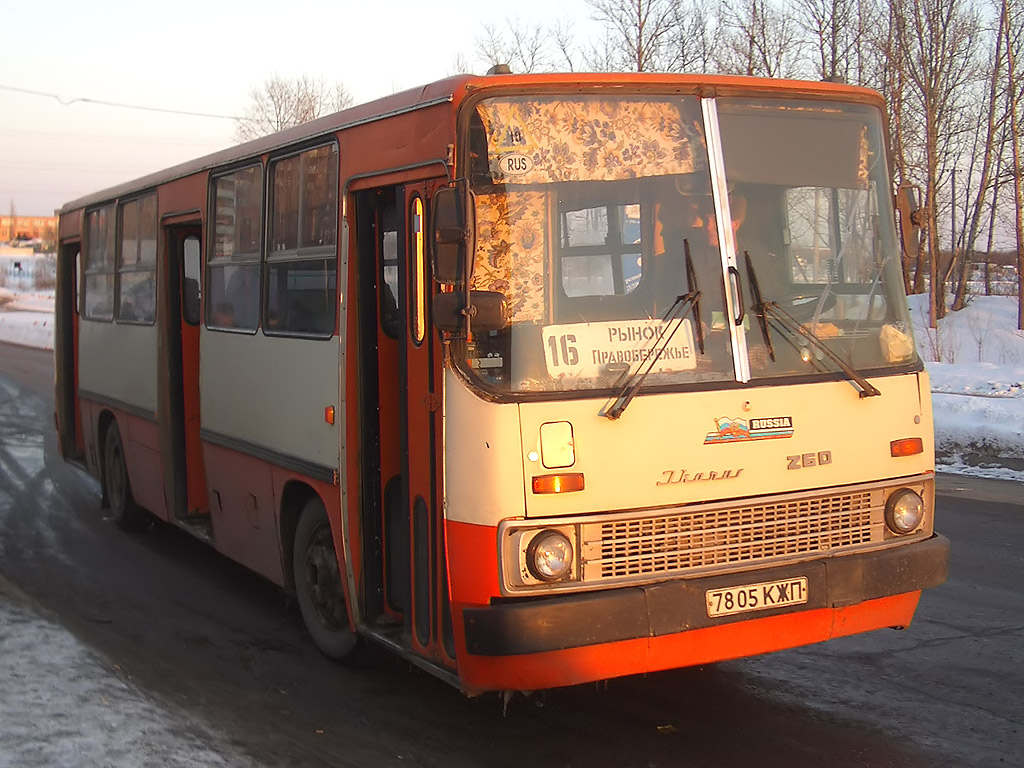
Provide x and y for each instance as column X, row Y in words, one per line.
column 975, row 360
column 26, row 319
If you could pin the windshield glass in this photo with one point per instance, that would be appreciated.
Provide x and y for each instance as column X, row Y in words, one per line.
column 809, row 196
column 588, row 206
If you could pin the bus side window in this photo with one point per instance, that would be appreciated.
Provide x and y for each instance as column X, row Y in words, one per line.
column 301, row 265
column 233, row 262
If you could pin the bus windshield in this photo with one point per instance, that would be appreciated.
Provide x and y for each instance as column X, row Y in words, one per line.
column 589, row 208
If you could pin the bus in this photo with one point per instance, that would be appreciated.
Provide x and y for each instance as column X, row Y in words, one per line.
column 533, row 380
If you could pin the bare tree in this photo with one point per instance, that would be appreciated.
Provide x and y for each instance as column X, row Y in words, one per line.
column 758, row 38
column 693, row 43
column 1013, row 30
column 836, row 32
column 938, row 38
column 564, row 43
column 983, row 153
column 460, row 65
column 524, row 48
column 638, row 33
column 883, row 69
column 281, row 103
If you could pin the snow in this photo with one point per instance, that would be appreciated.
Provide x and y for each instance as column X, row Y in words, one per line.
column 975, row 359
column 62, row 705
column 26, row 318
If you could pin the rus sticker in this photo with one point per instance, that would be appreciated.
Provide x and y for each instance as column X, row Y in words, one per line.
column 515, row 164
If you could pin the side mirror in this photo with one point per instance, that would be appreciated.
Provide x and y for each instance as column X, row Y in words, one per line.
column 488, row 311
column 909, row 207
column 452, row 235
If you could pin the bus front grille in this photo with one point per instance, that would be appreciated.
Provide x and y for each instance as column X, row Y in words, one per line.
column 723, row 536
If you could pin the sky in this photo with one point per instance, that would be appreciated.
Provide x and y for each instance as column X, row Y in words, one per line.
column 202, row 56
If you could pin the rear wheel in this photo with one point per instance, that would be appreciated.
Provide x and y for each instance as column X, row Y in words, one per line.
column 126, row 513
column 318, row 584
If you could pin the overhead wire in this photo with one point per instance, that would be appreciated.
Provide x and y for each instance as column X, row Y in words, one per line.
column 100, row 102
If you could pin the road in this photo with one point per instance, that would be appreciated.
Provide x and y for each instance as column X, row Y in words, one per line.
column 194, row 630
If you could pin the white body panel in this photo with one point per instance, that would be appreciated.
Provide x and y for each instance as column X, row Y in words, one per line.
column 658, row 455
column 272, row 392
column 118, row 361
column 483, row 457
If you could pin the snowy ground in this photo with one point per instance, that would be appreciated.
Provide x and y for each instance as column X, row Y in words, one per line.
column 61, row 705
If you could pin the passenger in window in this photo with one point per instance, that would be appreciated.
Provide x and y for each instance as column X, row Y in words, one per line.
column 242, row 295
column 389, row 319
column 223, row 315
column 688, row 220
column 738, row 211
column 686, row 216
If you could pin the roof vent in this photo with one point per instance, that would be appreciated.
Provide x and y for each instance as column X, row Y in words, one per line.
column 500, row 69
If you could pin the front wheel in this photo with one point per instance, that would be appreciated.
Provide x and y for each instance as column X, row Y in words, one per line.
column 318, row 584
column 118, row 490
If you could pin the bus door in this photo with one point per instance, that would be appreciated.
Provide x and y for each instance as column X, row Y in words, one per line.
column 178, row 384
column 65, row 342
column 405, row 592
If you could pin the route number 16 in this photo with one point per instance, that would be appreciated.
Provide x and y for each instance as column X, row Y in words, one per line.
column 563, row 350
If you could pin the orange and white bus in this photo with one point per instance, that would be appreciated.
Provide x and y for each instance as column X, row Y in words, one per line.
column 533, row 379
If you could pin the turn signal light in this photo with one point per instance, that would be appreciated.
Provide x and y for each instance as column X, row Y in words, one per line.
column 563, row 483
column 908, row 446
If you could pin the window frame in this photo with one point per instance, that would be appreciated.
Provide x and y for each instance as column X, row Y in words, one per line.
column 215, row 260
column 140, row 266
column 301, row 254
column 107, row 266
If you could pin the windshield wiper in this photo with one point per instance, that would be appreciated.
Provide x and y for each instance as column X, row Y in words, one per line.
column 785, row 321
column 631, row 382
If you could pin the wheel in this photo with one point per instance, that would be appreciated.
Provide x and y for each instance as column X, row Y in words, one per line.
column 318, row 584
column 117, row 489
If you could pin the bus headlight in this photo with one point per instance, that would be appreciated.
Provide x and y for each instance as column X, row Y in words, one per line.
column 549, row 556
column 904, row 511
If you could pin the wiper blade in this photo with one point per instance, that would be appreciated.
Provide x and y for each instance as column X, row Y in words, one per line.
column 762, row 317
column 691, row 284
column 632, row 382
column 766, row 309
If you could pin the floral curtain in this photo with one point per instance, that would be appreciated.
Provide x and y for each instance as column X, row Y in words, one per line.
column 530, row 141
column 510, row 250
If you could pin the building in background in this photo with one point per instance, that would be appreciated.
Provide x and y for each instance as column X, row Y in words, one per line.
column 26, row 229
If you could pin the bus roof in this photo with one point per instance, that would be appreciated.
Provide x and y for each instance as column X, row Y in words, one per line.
column 454, row 89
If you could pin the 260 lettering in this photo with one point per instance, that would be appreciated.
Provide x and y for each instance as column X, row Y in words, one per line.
column 806, row 460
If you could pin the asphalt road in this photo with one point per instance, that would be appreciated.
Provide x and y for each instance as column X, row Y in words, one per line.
column 189, row 627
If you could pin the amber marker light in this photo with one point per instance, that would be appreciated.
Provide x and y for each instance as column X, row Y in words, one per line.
column 329, row 414
column 908, row 446
column 564, row 483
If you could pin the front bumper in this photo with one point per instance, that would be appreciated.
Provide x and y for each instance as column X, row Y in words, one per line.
column 628, row 613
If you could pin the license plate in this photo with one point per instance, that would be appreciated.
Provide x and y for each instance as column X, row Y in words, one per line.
column 756, row 597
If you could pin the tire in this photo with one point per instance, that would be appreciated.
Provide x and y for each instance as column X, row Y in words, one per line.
column 117, row 488
column 318, row 584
